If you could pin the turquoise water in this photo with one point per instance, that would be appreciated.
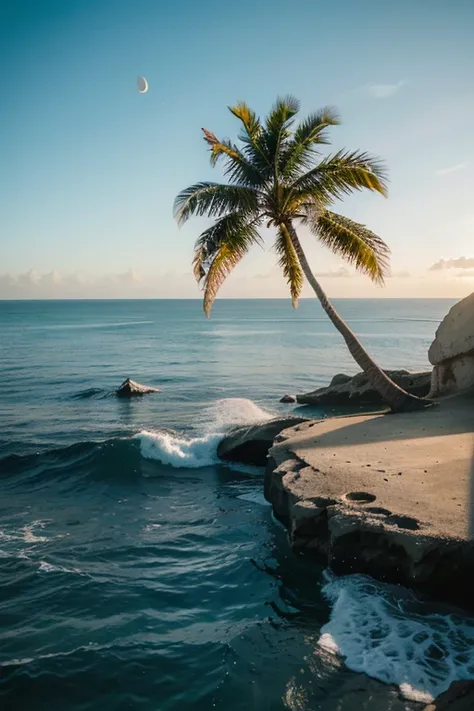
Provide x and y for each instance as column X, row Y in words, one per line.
column 136, row 572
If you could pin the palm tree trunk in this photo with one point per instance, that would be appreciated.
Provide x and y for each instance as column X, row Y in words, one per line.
column 397, row 398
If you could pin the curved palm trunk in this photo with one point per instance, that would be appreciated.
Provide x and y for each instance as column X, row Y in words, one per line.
column 397, row 398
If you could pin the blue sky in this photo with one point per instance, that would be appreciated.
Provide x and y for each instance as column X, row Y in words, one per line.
column 90, row 167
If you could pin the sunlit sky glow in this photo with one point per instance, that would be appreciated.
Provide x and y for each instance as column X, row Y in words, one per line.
column 90, row 167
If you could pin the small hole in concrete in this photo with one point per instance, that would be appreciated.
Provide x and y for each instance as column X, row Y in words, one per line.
column 360, row 497
column 379, row 510
column 323, row 502
column 411, row 524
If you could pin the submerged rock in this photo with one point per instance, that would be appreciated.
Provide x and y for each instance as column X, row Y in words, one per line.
column 250, row 445
column 459, row 697
column 130, row 388
column 288, row 398
column 357, row 390
column 452, row 351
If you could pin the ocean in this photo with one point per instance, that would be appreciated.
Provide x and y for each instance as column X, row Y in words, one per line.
column 138, row 572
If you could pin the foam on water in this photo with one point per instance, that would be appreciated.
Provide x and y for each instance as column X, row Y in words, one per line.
column 179, row 451
column 46, row 567
column 378, row 634
column 194, row 452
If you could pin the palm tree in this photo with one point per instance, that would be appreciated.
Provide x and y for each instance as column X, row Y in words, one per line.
column 278, row 178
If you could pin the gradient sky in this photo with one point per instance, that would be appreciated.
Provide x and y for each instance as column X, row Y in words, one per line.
column 90, row 168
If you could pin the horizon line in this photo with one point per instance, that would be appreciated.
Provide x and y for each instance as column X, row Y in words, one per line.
column 236, row 298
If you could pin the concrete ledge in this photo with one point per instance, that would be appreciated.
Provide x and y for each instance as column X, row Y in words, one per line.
column 387, row 495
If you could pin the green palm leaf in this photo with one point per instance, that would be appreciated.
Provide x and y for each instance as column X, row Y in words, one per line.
column 278, row 124
column 214, row 200
column 252, row 136
column 342, row 174
column 366, row 251
column 237, row 166
column 219, row 249
column 289, row 264
column 300, row 151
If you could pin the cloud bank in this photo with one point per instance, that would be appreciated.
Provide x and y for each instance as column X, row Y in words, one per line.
column 459, row 263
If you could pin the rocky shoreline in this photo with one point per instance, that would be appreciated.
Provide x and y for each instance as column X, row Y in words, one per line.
column 356, row 390
column 382, row 495
column 387, row 496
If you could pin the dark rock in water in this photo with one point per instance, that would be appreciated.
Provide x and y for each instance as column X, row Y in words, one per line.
column 288, row 398
column 250, row 444
column 347, row 390
column 340, row 379
column 130, row 388
column 459, row 697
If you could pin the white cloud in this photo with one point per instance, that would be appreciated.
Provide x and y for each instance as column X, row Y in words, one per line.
column 459, row 263
column 53, row 284
column 384, row 91
column 452, row 169
column 129, row 277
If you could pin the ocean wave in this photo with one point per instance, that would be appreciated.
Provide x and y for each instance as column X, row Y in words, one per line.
column 178, row 451
column 89, row 393
column 387, row 638
column 169, row 448
column 45, row 567
column 88, row 459
column 195, row 452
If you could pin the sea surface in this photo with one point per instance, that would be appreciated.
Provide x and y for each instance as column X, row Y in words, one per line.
column 138, row 572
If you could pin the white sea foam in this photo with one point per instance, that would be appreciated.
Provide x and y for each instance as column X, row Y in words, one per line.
column 179, row 451
column 381, row 636
column 195, row 452
column 46, row 567
column 29, row 536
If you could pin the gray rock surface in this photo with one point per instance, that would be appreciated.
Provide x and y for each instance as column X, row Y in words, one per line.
column 250, row 444
column 455, row 334
column 130, row 388
column 384, row 495
column 356, row 390
column 459, row 697
column 452, row 351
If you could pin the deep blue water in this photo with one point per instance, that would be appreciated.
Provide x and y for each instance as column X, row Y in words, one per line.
column 136, row 572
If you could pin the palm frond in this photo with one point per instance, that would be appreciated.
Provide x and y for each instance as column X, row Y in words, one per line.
column 214, row 200
column 281, row 113
column 343, row 173
column 219, row 249
column 289, row 264
column 299, row 152
column 238, row 167
column 252, row 136
column 365, row 250
column 277, row 125
column 251, row 123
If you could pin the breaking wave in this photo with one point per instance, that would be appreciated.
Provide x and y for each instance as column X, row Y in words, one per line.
column 381, row 634
column 201, row 451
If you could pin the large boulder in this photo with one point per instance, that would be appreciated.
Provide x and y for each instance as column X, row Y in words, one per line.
column 459, row 697
column 357, row 390
column 130, row 388
column 250, row 444
column 452, row 351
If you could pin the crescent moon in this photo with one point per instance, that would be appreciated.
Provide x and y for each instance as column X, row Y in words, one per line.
column 142, row 85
